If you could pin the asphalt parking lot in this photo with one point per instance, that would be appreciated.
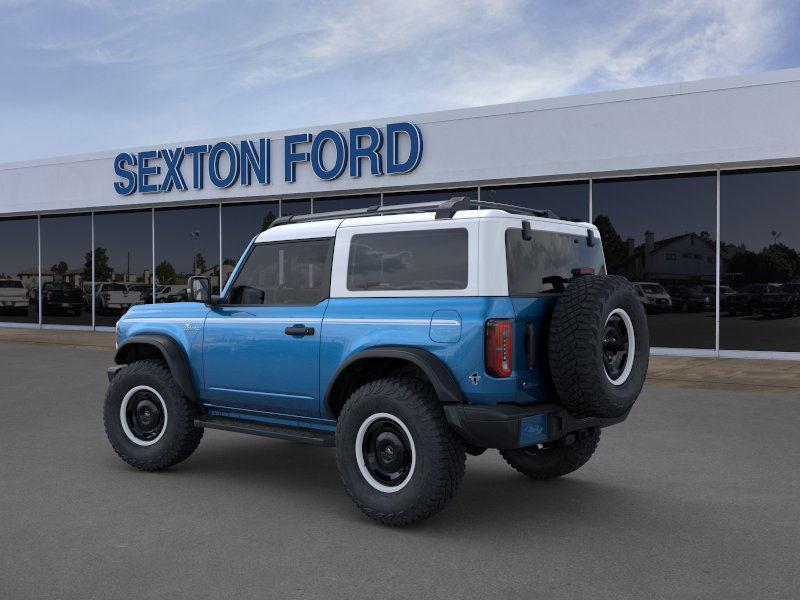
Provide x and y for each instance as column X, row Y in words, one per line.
column 697, row 495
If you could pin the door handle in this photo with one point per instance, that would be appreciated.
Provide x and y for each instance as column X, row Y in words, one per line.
column 299, row 330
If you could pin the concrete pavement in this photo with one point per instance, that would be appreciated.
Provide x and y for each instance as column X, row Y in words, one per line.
column 695, row 496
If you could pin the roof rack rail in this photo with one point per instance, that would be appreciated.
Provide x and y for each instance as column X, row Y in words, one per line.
column 444, row 209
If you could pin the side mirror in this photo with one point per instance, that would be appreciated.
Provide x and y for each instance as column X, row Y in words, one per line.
column 199, row 289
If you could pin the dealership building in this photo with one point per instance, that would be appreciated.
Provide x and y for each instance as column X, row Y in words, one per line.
column 695, row 188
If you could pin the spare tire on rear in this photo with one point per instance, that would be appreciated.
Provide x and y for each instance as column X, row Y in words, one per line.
column 598, row 346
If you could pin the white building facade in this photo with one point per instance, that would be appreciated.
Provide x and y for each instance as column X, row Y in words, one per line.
column 692, row 184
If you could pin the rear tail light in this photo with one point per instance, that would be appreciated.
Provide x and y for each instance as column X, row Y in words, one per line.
column 498, row 347
column 49, row 296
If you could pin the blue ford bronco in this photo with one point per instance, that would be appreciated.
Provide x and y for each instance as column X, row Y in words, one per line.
column 405, row 336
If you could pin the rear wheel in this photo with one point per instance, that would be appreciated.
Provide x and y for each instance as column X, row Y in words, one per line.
column 551, row 461
column 398, row 458
column 148, row 420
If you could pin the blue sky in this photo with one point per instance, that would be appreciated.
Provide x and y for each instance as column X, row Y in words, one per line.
column 85, row 75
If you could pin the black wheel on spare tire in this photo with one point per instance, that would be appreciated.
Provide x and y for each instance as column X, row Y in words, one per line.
column 148, row 420
column 564, row 456
column 598, row 346
column 398, row 458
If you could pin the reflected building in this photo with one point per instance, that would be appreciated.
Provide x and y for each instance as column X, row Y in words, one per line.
column 694, row 189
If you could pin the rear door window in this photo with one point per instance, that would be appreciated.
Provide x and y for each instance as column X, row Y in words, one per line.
column 545, row 263
column 431, row 259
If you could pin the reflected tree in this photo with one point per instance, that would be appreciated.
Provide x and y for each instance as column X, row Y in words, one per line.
column 614, row 247
column 165, row 273
column 102, row 270
column 60, row 268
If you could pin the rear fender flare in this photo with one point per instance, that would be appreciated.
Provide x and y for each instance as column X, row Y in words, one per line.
column 440, row 376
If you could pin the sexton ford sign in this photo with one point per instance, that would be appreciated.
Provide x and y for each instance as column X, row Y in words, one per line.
column 225, row 164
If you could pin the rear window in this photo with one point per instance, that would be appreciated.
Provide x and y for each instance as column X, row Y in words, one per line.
column 545, row 263
column 115, row 287
column 10, row 284
column 433, row 259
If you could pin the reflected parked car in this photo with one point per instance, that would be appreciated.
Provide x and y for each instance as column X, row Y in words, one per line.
column 691, row 299
column 653, row 296
column 13, row 296
column 747, row 301
column 783, row 301
column 724, row 292
column 115, row 297
column 145, row 289
column 61, row 297
column 171, row 293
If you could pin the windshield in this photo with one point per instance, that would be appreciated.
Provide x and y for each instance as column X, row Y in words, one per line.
column 545, row 263
column 652, row 288
column 6, row 283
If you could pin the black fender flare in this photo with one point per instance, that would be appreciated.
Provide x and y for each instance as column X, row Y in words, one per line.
column 173, row 355
column 435, row 370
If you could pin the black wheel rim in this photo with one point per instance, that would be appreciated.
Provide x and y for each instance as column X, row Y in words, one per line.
column 387, row 452
column 144, row 415
column 615, row 347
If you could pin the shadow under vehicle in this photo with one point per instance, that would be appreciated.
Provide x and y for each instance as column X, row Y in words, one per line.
column 785, row 301
column 653, row 296
column 747, row 301
column 691, row 299
column 61, row 298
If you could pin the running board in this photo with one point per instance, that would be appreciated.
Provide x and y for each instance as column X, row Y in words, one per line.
column 306, row 436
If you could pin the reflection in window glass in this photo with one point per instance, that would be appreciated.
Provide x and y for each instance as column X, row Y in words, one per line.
column 760, row 255
column 662, row 230
column 345, row 203
column 19, row 270
column 187, row 243
column 291, row 273
column 67, row 270
column 295, row 207
column 123, row 263
column 570, row 201
column 434, row 196
column 240, row 224
column 408, row 260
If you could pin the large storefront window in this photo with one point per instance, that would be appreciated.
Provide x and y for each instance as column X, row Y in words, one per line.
column 570, row 201
column 295, row 207
column 187, row 243
column 760, row 260
column 660, row 233
column 240, row 224
column 434, row 196
column 123, row 263
column 67, row 270
column 345, row 203
column 19, row 270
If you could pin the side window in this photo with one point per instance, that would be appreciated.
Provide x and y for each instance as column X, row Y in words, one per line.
column 433, row 259
column 285, row 273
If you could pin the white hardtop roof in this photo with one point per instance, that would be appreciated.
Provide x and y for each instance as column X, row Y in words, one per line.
column 327, row 227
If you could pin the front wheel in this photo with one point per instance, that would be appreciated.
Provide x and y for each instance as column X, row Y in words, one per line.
column 397, row 456
column 148, row 420
column 562, row 457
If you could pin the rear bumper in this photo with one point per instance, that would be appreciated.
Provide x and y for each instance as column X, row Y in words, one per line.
column 508, row 426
